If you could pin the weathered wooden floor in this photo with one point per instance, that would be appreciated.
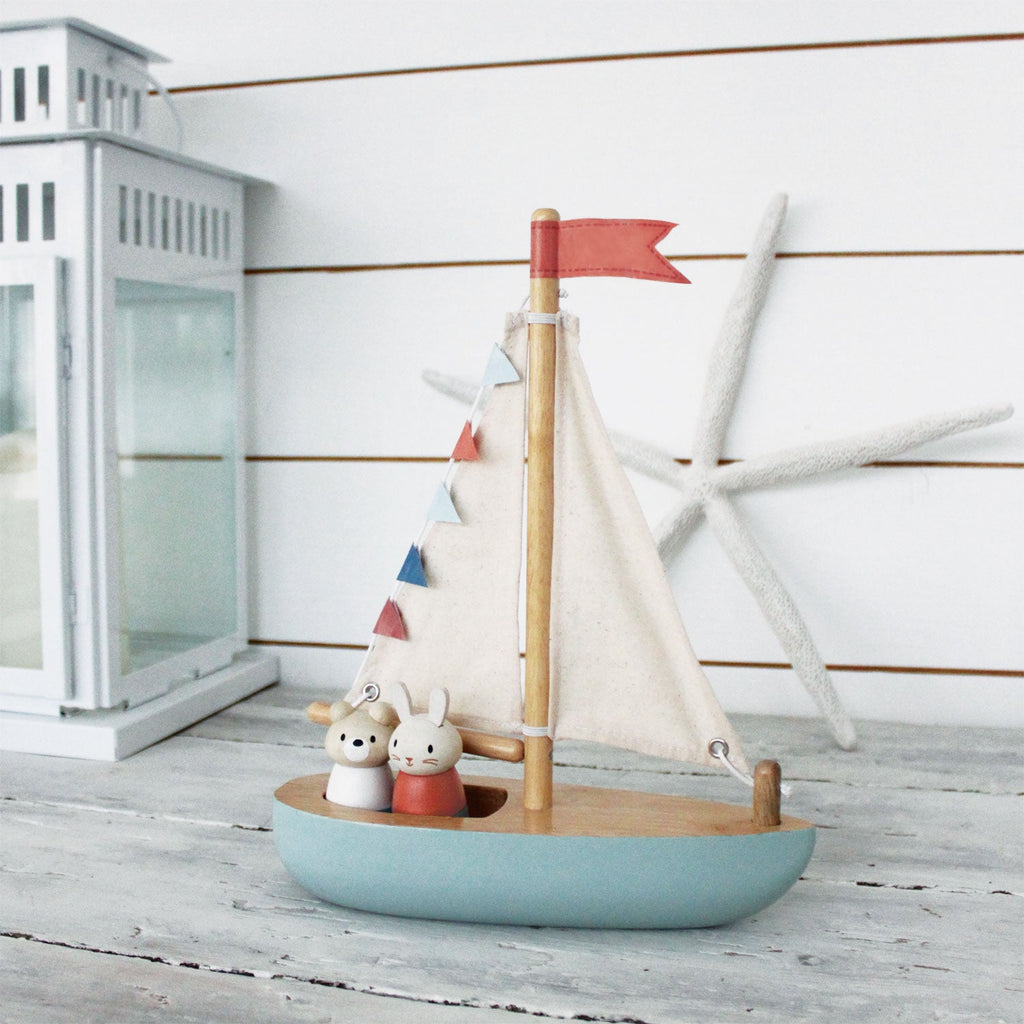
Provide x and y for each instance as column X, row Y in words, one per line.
column 150, row 891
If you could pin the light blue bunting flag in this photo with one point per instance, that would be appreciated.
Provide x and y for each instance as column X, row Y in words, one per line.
column 499, row 369
column 441, row 509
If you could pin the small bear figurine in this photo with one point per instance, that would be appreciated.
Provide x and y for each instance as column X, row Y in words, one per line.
column 425, row 748
column 358, row 741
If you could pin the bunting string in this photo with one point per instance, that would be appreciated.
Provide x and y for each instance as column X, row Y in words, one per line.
column 499, row 370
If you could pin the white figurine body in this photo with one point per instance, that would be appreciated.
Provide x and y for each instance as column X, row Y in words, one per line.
column 353, row 786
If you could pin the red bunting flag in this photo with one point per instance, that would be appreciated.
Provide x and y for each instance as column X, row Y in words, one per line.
column 390, row 622
column 601, row 248
column 465, row 447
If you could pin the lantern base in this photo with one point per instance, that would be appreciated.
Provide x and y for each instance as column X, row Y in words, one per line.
column 116, row 734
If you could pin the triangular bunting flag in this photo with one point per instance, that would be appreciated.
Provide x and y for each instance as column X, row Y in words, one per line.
column 499, row 369
column 441, row 508
column 412, row 568
column 465, row 447
column 390, row 622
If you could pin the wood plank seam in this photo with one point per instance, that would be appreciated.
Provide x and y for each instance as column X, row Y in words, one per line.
column 191, row 965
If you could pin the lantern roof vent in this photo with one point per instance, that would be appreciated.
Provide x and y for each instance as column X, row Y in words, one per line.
column 67, row 75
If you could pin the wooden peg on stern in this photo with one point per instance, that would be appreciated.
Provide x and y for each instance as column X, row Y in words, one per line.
column 767, row 794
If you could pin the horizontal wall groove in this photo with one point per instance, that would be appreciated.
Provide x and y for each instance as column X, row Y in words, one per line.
column 359, row 268
column 915, row 670
column 419, row 459
column 716, row 51
column 1000, row 673
column 412, row 459
column 925, row 464
column 313, row 645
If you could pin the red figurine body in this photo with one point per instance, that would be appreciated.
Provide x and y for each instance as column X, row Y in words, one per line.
column 429, row 794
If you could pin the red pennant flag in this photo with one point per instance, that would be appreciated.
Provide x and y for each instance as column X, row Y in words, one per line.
column 601, row 248
column 390, row 622
column 465, row 447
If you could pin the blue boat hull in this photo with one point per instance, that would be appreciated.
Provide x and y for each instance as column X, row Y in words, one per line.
column 373, row 862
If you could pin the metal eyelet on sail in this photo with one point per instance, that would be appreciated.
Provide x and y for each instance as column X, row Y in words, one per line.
column 370, row 693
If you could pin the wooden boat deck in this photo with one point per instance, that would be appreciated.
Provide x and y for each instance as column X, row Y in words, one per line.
column 150, row 891
column 496, row 805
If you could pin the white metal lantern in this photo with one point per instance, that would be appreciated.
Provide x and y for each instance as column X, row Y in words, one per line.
column 122, row 559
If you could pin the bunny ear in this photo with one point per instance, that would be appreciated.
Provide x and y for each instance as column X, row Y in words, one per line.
column 399, row 697
column 438, row 708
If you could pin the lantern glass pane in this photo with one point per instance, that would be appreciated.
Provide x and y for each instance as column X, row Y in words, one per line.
column 177, row 469
column 21, row 637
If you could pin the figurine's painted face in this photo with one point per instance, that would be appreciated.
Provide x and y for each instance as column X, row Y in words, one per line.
column 358, row 740
column 418, row 747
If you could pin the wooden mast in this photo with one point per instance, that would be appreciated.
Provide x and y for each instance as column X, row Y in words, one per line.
column 537, row 776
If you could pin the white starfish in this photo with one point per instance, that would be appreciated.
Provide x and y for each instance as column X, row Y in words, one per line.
column 706, row 484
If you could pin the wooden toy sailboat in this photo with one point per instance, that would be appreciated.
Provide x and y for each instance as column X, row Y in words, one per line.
column 607, row 659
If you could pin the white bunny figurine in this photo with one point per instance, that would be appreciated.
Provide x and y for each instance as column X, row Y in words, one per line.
column 425, row 748
column 357, row 741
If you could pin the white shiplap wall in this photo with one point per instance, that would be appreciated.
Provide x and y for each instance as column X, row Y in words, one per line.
column 901, row 294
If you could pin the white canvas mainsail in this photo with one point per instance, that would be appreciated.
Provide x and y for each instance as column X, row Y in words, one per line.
column 623, row 672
